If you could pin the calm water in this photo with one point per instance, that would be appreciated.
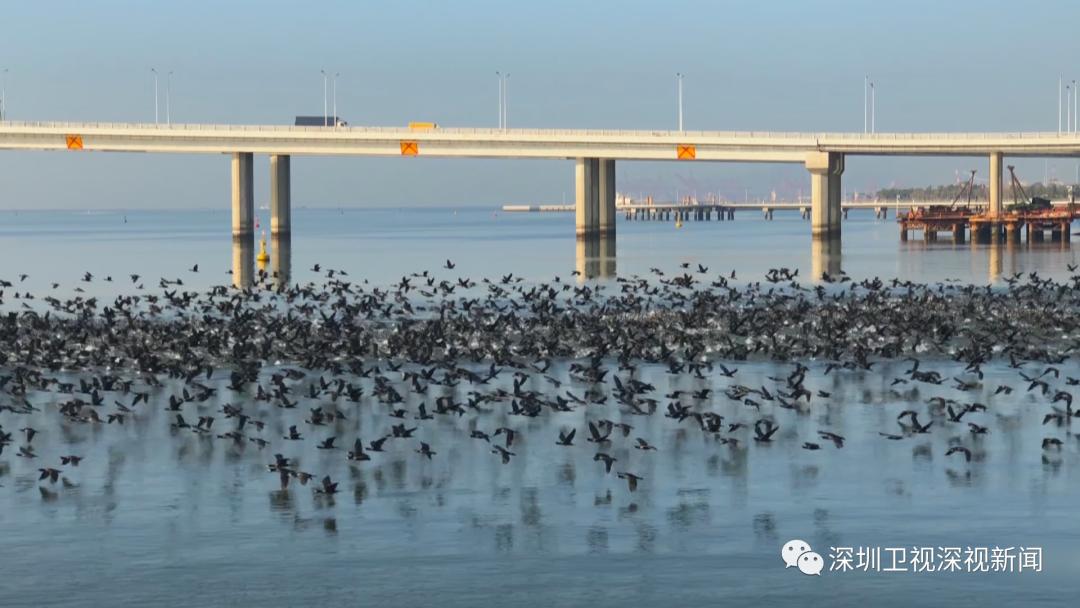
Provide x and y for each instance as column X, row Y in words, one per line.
column 160, row 518
column 383, row 244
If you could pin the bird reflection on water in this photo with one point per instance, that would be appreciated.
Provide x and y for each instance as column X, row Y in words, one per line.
column 451, row 420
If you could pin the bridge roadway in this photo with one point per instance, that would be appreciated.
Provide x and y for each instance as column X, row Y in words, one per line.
column 594, row 153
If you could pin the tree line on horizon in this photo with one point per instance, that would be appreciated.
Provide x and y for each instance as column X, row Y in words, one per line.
column 1052, row 191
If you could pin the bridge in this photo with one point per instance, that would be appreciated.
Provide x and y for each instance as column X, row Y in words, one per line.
column 594, row 153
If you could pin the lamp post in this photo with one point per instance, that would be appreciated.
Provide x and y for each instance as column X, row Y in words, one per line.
column 154, row 70
column 873, row 109
column 498, row 75
column 506, row 101
column 336, row 74
column 324, row 109
column 3, row 94
column 168, row 98
column 866, row 101
column 1068, row 108
column 678, row 82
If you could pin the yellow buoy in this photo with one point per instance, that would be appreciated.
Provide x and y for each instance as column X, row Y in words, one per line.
column 678, row 223
column 263, row 257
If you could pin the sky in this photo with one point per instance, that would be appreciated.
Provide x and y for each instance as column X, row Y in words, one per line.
column 780, row 65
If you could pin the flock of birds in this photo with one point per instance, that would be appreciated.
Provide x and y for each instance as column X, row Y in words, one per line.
column 303, row 360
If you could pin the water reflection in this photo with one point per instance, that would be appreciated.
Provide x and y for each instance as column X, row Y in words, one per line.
column 281, row 259
column 824, row 257
column 243, row 262
column 595, row 257
column 994, row 260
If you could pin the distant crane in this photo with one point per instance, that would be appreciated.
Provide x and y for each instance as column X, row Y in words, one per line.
column 969, row 188
column 1021, row 202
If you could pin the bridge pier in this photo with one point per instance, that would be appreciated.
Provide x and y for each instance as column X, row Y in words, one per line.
column 605, row 179
column 587, row 197
column 280, row 195
column 825, row 212
column 995, row 208
column 243, row 196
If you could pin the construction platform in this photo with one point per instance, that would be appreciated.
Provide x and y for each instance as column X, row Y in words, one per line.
column 964, row 223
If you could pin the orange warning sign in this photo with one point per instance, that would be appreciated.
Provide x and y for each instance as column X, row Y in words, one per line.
column 410, row 148
column 74, row 142
column 687, row 152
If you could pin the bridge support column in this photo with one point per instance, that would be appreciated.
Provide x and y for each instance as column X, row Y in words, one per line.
column 280, row 195
column 825, row 211
column 995, row 185
column 587, row 197
column 606, row 194
column 243, row 197
column 1012, row 233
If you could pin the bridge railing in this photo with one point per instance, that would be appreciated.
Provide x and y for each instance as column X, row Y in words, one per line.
column 779, row 135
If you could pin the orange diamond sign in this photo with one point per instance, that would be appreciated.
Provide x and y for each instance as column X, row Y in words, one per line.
column 74, row 142
column 686, row 152
column 410, row 148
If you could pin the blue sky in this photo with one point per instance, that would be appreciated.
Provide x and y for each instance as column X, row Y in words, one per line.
column 780, row 65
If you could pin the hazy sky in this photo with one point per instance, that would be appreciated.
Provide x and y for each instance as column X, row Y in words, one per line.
column 794, row 65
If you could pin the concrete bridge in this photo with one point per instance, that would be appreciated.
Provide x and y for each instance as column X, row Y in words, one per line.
column 594, row 152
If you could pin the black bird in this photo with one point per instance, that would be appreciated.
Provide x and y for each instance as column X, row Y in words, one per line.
column 1051, row 442
column 510, row 433
column 631, row 480
column 606, row 459
column 566, row 439
column 327, row 444
column 643, row 445
column 959, row 449
column 837, row 440
column 49, row 473
column 764, row 429
column 594, row 435
column 328, row 486
column 425, row 450
column 503, row 452
column 357, row 453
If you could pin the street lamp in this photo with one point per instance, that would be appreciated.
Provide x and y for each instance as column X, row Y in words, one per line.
column 324, row 109
column 504, row 106
column 1068, row 109
column 336, row 74
column 154, row 70
column 873, row 109
column 168, row 98
column 866, row 104
column 3, row 93
column 678, row 81
column 498, row 75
